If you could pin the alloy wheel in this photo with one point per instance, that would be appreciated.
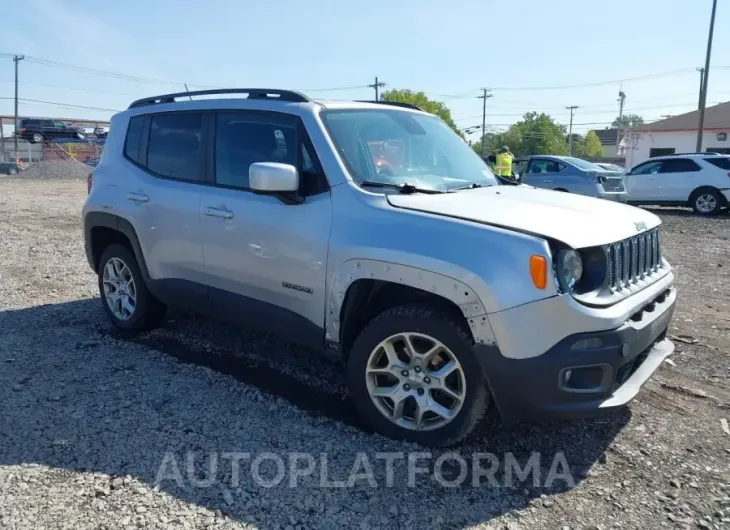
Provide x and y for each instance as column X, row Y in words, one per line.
column 415, row 381
column 120, row 291
column 706, row 203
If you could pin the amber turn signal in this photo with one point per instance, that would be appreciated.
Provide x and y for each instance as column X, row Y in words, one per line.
column 538, row 271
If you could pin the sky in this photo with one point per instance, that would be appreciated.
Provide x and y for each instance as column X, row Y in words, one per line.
column 332, row 49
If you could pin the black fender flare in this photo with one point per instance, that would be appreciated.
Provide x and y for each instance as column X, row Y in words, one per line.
column 108, row 220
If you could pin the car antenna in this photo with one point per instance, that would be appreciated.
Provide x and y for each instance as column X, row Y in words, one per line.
column 186, row 90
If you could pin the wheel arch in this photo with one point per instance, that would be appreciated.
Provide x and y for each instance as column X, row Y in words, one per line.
column 700, row 189
column 102, row 229
column 377, row 286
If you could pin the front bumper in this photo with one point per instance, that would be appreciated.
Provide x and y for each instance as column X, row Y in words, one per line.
column 586, row 373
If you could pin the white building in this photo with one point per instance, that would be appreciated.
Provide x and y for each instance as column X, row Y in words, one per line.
column 678, row 134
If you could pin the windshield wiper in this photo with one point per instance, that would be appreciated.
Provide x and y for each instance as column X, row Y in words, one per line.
column 403, row 188
column 472, row 186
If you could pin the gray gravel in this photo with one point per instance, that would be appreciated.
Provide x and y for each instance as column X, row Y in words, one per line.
column 55, row 170
column 89, row 415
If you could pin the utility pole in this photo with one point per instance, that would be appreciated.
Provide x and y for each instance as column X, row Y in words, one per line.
column 570, row 130
column 16, row 60
column 702, row 83
column 376, row 85
column 703, row 97
column 621, row 100
column 484, row 96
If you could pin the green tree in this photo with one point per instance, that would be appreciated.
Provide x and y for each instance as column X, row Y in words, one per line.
column 535, row 134
column 627, row 121
column 420, row 99
column 592, row 147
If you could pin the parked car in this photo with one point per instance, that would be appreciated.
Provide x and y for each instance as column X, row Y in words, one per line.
column 574, row 175
column 9, row 168
column 446, row 293
column 699, row 181
column 610, row 167
column 100, row 132
column 39, row 130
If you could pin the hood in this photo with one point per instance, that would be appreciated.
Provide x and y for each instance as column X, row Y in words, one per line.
column 575, row 220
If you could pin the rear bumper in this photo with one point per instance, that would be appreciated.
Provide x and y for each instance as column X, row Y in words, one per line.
column 584, row 374
column 618, row 196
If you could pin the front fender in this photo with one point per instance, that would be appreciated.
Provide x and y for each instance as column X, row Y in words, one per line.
column 450, row 288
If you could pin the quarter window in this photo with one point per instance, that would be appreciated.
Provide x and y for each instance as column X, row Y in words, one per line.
column 134, row 138
column 722, row 163
column 243, row 139
column 175, row 145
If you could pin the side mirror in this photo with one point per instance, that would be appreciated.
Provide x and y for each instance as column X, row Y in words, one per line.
column 273, row 178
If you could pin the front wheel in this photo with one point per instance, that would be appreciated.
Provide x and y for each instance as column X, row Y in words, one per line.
column 707, row 202
column 413, row 376
column 37, row 138
column 127, row 302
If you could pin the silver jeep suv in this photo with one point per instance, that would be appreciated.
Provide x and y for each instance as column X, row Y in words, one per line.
column 371, row 228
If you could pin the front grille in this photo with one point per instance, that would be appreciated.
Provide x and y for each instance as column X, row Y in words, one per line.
column 633, row 259
column 613, row 184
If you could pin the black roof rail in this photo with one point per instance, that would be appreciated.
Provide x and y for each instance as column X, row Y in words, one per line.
column 395, row 104
column 253, row 93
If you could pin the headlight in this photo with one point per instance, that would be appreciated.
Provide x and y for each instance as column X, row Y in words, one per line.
column 568, row 269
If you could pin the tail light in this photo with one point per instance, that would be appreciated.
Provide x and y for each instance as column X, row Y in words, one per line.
column 88, row 183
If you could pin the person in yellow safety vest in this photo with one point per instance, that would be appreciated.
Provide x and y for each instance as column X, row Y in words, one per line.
column 503, row 163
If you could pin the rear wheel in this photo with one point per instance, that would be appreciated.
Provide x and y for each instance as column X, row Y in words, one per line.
column 12, row 171
column 413, row 375
column 707, row 202
column 37, row 138
column 124, row 295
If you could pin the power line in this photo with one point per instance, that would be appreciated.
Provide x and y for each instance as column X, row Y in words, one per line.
column 57, row 104
column 139, row 79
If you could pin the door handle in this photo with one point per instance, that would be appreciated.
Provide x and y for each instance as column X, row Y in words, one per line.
column 548, row 180
column 218, row 212
column 137, row 197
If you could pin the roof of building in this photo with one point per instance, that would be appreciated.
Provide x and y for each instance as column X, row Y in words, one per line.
column 716, row 117
column 607, row 136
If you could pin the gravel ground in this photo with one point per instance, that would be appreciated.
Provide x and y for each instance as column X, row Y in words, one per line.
column 55, row 170
column 101, row 430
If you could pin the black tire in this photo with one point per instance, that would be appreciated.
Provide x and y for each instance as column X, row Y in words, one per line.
column 440, row 325
column 561, row 189
column 149, row 311
column 703, row 193
column 12, row 171
column 36, row 138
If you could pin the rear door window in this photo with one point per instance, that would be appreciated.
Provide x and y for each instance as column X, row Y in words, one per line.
column 545, row 166
column 679, row 165
column 174, row 149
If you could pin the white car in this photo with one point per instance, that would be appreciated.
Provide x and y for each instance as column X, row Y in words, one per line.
column 700, row 181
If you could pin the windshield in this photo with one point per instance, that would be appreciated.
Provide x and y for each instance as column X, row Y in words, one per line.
column 583, row 164
column 391, row 146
